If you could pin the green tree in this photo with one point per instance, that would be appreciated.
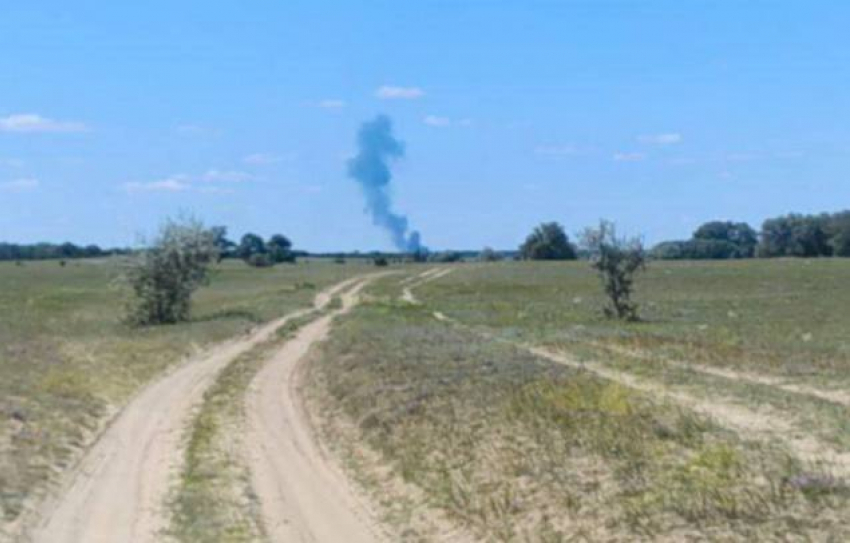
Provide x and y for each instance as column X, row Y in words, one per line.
column 280, row 249
column 547, row 242
column 617, row 260
column 796, row 235
column 165, row 275
column 839, row 233
column 250, row 245
column 740, row 237
column 225, row 246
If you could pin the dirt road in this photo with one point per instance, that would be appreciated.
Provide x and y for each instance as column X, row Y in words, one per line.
column 303, row 495
column 418, row 280
column 117, row 492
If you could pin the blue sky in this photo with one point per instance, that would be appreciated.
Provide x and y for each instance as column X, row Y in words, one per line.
column 658, row 115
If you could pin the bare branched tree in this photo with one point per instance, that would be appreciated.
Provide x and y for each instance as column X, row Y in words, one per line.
column 617, row 260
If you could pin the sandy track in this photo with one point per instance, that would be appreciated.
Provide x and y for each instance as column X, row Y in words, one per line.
column 743, row 420
column 418, row 280
column 117, row 492
column 782, row 383
column 304, row 496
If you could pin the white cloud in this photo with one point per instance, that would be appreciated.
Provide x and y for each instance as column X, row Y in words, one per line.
column 389, row 92
column 20, row 185
column 32, row 123
column 226, row 176
column 175, row 183
column 260, row 159
column 437, row 121
column 331, row 103
column 661, row 139
column 629, row 157
column 183, row 182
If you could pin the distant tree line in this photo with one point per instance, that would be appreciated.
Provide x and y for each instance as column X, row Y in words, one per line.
column 46, row 251
column 253, row 250
column 825, row 234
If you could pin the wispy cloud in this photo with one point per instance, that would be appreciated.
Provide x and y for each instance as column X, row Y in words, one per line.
column 262, row 159
column 175, row 183
column 11, row 162
column 20, row 185
column 629, row 157
column 208, row 182
column 32, row 123
column 390, row 92
column 669, row 138
column 437, row 121
column 226, row 176
column 331, row 103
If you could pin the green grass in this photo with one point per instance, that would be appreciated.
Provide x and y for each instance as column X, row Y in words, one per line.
column 515, row 448
column 780, row 316
column 67, row 362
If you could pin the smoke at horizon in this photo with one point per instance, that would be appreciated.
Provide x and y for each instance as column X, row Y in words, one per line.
column 377, row 147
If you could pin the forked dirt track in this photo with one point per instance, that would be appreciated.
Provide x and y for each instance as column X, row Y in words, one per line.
column 116, row 493
column 743, row 420
column 304, row 496
column 418, row 280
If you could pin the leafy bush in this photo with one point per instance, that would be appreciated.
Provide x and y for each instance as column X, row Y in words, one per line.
column 487, row 254
column 547, row 242
column 164, row 276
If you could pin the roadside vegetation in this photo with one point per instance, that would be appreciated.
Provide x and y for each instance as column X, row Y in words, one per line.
column 508, row 446
column 67, row 362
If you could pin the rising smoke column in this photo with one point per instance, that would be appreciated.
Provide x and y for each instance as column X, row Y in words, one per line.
column 376, row 148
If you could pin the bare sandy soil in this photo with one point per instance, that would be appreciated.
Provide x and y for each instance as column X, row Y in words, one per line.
column 304, row 495
column 117, row 491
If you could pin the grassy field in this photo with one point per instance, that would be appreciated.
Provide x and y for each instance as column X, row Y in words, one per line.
column 688, row 425
column 67, row 362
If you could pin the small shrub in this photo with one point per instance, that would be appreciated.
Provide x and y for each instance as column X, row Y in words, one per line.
column 259, row 260
column 381, row 261
column 617, row 260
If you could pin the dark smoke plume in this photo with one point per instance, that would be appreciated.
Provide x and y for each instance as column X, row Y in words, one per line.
column 376, row 148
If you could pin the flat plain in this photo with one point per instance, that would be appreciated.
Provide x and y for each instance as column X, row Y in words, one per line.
column 462, row 402
column 508, row 407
